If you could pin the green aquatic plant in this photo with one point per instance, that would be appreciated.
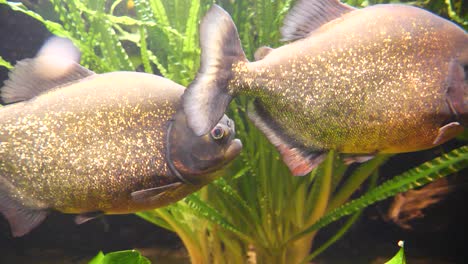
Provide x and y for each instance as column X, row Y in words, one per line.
column 5, row 63
column 257, row 211
column 399, row 257
column 123, row 257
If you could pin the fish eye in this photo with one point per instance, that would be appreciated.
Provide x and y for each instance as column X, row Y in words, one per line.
column 217, row 133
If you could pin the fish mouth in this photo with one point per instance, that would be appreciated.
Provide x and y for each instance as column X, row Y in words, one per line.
column 233, row 150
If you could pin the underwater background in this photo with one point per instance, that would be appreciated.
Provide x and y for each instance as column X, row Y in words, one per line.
column 256, row 194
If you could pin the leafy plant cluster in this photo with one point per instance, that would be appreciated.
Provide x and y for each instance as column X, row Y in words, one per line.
column 257, row 208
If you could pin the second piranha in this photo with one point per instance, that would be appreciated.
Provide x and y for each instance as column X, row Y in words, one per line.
column 382, row 79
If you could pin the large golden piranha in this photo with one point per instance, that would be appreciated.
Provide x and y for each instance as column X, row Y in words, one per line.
column 382, row 79
column 86, row 143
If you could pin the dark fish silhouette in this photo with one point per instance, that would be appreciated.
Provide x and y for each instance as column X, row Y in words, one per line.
column 86, row 143
column 382, row 79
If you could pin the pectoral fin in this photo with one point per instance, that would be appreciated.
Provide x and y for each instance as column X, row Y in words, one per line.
column 299, row 160
column 153, row 193
column 85, row 217
column 22, row 219
column 448, row 132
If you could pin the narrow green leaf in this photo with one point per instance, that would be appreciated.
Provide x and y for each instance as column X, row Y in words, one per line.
column 120, row 257
column 5, row 63
column 98, row 259
column 162, row 21
column 143, row 45
column 190, row 52
column 453, row 15
column 204, row 210
column 236, row 200
column 53, row 27
column 152, row 217
column 427, row 172
column 355, row 180
column 345, row 228
column 399, row 258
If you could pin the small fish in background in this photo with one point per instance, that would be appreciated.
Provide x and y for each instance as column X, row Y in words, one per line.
column 412, row 205
column 84, row 143
column 382, row 79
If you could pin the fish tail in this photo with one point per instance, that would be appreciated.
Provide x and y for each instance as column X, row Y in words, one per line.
column 207, row 97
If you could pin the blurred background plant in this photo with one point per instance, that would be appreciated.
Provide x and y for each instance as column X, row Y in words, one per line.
column 257, row 212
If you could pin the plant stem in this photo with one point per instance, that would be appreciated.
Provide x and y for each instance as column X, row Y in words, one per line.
column 189, row 243
column 355, row 181
column 345, row 228
column 324, row 189
column 299, row 249
column 335, row 237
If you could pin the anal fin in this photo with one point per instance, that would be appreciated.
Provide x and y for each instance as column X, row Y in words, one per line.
column 21, row 219
column 299, row 162
column 299, row 159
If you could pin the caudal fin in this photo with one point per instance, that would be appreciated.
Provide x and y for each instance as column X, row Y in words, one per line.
column 22, row 219
column 207, row 97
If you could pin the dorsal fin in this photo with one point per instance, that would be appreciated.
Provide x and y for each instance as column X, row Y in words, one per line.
column 308, row 15
column 54, row 66
column 299, row 159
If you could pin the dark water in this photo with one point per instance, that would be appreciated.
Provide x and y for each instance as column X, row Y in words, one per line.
column 441, row 237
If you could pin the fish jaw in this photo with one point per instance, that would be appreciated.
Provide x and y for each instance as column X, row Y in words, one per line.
column 233, row 150
column 192, row 158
